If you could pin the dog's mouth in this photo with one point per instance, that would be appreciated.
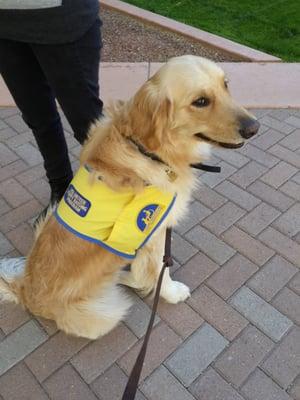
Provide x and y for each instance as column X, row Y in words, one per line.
column 216, row 143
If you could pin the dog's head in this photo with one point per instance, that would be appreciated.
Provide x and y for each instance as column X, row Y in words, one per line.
column 187, row 104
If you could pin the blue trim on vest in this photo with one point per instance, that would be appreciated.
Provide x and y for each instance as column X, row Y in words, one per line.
column 92, row 240
column 104, row 245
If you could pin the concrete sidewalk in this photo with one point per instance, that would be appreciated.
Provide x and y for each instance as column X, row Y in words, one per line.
column 257, row 85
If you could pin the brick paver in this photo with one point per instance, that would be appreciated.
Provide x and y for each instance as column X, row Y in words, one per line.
column 210, row 244
column 196, row 270
column 258, row 219
column 137, row 320
column 279, row 174
column 182, row 318
column 19, row 384
column 295, row 283
column 267, row 139
column 11, row 317
column 258, row 155
column 44, row 361
column 6, row 155
column 283, row 364
column 271, row 196
column 237, row 195
column 18, row 344
column 4, row 207
column 223, row 218
column 244, row 355
column 231, row 157
column 260, row 313
column 211, row 386
column 226, row 280
column 207, row 196
column 286, row 155
column 163, row 385
column 248, row 246
column 67, row 382
column 260, row 386
column 96, row 357
column 186, row 364
column 289, row 222
column 213, row 180
column 183, row 250
column 288, row 302
column 5, row 245
column 291, row 141
column 282, row 244
column 295, row 389
column 236, row 338
column 111, row 384
column 292, row 189
column 272, row 277
column 217, row 312
column 247, row 174
column 196, row 214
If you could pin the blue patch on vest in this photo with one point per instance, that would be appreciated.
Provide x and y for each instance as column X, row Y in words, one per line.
column 79, row 204
column 146, row 216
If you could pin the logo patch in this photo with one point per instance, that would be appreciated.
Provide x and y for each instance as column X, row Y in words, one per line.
column 147, row 216
column 76, row 202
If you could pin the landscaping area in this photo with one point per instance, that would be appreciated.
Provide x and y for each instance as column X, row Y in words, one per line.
column 270, row 26
column 128, row 39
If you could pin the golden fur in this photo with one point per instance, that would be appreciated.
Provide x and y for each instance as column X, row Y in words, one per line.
column 74, row 281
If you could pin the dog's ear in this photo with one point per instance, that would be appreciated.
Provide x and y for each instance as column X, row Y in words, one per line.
column 154, row 113
column 161, row 124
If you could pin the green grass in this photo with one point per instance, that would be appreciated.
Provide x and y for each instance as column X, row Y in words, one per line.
column 270, row 26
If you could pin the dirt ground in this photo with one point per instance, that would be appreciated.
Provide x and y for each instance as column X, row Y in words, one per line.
column 127, row 39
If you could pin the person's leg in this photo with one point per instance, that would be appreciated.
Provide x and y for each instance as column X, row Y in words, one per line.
column 34, row 97
column 72, row 71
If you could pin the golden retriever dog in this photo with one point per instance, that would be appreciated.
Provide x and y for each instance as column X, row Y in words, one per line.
column 152, row 139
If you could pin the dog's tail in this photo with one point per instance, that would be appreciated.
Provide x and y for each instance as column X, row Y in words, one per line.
column 8, row 292
column 11, row 277
column 12, row 269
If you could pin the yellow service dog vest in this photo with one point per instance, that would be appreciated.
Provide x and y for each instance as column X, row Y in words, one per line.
column 121, row 222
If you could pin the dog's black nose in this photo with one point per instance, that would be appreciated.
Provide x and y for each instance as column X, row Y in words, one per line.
column 248, row 127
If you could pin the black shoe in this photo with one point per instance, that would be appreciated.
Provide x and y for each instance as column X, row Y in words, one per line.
column 58, row 189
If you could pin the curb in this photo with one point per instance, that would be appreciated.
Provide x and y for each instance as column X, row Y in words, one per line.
column 209, row 39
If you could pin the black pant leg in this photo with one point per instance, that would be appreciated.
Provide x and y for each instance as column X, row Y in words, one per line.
column 72, row 70
column 34, row 97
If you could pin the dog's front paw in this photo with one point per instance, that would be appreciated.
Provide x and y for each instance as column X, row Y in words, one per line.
column 174, row 292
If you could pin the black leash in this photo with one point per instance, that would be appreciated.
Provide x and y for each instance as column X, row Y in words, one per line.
column 133, row 381
column 134, row 377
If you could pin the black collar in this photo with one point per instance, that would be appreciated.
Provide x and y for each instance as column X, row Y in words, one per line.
column 208, row 168
column 147, row 153
column 154, row 157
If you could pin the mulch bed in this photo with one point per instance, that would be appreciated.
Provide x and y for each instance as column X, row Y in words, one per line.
column 127, row 39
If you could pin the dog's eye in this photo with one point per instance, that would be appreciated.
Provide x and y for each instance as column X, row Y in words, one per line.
column 226, row 83
column 201, row 102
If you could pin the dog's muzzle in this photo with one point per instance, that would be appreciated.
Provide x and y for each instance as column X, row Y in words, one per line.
column 217, row 143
